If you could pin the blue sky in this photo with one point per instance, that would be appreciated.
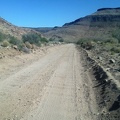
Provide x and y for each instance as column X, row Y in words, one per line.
column 49, row 13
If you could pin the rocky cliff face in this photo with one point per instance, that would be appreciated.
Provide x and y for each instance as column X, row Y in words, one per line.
column 99, row 19
column 115, row 11
column 97, row 25
column 105, row 15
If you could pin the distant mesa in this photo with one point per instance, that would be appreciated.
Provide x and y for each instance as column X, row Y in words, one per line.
column 101, row 9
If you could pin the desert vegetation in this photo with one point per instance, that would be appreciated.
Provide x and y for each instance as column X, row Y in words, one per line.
column 110, row 45
column 116, row 34
column 2, row 37
column 28, row 41
column 5, row 43
column 106, row 52
column 86, row 43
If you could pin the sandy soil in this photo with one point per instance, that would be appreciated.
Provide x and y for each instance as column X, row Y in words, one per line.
column 47, row 85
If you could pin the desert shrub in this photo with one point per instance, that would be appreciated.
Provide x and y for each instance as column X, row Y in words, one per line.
column 28, row 45
column 32, row 38
column 14, row 41
column 116, row 34
column 112, row 41
column 20, row 46
column 61, row 40
column 107, row 46
column 44, row 40
column 51, row 39
column 5, row 43
column 17, row 42
column 115, row 49
column 86, row 43
column 2, row 37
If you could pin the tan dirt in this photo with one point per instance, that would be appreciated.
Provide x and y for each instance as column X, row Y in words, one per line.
column 49, row 85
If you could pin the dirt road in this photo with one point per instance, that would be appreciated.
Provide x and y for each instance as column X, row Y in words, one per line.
column 54, row 87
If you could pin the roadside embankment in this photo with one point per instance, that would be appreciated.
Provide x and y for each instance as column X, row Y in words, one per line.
column 106, row 88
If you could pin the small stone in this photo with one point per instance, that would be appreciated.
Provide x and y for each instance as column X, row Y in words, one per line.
column 107, row 69
column 112, row 61
column 97, row 113
column 99, row 57
column 15, row 47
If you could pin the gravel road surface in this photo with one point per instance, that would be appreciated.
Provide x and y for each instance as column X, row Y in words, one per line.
column 53, row 87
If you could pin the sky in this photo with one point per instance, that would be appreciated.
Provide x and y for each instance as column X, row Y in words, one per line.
column 49, row 13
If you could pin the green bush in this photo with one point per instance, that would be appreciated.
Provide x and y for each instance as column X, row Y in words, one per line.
column 116, row 34
column 112, row 41
column 115, row 49
column 2, row 37
column 51, row 39
column 86, row 43
column 14, row 41
column 61, row 40
column 44, row 40
column 5, row 43
column 32, row 38
column 108, row 46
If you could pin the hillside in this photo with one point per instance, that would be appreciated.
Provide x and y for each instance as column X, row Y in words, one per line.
column 98, row 25
column 20, row 38
column 10, row 29
column 43, row 29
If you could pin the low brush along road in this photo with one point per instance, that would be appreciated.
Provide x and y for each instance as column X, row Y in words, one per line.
column 55, row 87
